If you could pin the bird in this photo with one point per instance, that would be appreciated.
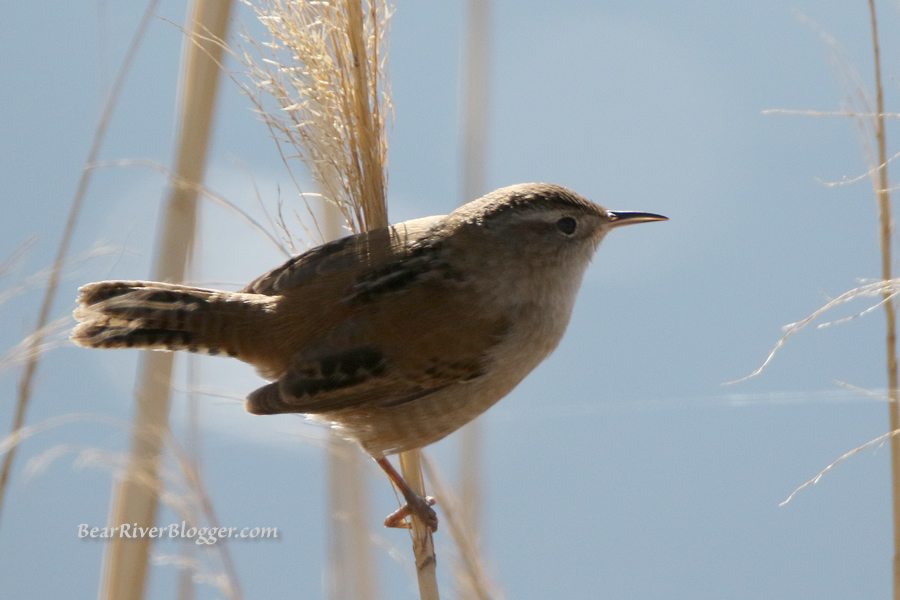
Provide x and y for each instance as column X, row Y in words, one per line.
column 395, row 337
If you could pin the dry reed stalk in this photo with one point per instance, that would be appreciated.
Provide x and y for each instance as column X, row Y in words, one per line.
column 30, row 349
column 200, row 189
column 186, row 587
column 324, row 70
column 228, row 583
column 190, row 500
column 26, row 381
column 126, row 561
column 874, row 443
column 470, row 572
column 871, row 123
column 886, row 289
column 16, row 256
column 422, row 540
column 351, row 569
column 882, row 191
column 475, row 128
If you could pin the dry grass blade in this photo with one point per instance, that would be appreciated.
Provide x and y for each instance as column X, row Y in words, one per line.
column 17, row 437
column 16, row 256
column 470, row 580
column 26, row 382
column 182, row 490
column 29, row 350
column 829, row 113
column 882, row 192
column 870, row 123
column 815, row 480
column 126, row 564
column 40, row 278
column 324, row 71
column 422, row 541
column 351, row 566
column 198, row 188
column 477, row 584
column 885, row 289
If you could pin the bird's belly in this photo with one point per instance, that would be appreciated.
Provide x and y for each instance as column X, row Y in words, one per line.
column 382, row 430
column 418, row 423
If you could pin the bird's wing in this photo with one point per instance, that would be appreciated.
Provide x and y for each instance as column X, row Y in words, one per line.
column 342, row 258
column 317, row 291
column 406, row 338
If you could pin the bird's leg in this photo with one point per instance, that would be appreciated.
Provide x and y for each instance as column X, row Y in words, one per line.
column 415, row 504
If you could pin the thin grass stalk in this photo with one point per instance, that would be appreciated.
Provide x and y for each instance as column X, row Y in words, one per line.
column 324, row 69
column 475, row 128
column 205, row 192
column 332, row 112
column 882, row 191
column 330, row 97
column 186, row 589
column 230, row 586
column 182, row 489
column 373, row 162
column 469, row 554
column 422, row 540
column 351, row 570
column 859, row 108
column 26, row 381
column 364, row 105
column 471, row 439
column 127, row 560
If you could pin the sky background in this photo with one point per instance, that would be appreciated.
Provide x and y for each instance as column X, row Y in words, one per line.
column 622, row 467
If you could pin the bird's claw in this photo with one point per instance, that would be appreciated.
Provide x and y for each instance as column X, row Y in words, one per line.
column 420, row 507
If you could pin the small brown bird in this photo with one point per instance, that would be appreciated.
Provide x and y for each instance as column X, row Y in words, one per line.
column 395, row 337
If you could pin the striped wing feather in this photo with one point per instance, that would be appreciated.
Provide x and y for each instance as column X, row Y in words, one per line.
column 398, row 328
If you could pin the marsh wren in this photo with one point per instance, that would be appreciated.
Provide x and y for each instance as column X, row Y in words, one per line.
column 395, row 337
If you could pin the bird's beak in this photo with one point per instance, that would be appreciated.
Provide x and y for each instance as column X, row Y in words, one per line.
column 617, row 218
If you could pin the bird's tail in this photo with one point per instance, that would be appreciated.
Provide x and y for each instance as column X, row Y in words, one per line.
column 161, row 316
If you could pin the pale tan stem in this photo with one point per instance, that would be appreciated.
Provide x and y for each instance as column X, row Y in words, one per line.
column 475, row 103
column 476, row 579
column 882, row 191
column 367, row 135
column 127, row 560
column 26, row 382
column 351, row 568
column 423, row 542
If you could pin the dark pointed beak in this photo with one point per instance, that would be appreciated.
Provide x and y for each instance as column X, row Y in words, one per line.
column 617, row 218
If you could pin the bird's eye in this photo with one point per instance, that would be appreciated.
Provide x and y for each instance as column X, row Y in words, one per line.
column 567, row 225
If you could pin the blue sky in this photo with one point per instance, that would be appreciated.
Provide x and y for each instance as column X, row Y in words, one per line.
column 622, row 467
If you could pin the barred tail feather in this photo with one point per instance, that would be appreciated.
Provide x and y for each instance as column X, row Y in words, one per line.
column 161, row 316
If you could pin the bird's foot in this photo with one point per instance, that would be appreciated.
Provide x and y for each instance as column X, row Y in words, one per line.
column 415, row 504
column 418, row 506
